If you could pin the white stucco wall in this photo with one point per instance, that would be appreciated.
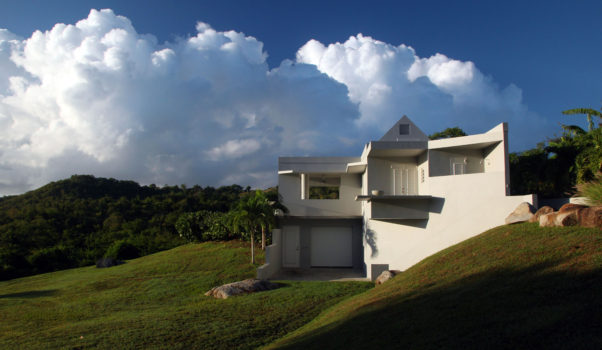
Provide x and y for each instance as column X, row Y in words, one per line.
column 467, row 204
column 289, row 187
column 273, row 257
column 381, row 173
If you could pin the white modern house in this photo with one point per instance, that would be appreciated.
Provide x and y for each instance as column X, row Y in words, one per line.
column 403, row 199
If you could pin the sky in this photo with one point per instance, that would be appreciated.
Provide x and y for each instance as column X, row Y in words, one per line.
column 211, row 93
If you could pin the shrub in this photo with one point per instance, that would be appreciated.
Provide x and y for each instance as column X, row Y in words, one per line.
column 50, row 259
column 217, row 227
column 592, row 190
column 189, row 226
column 122, row 249
column 205, row 225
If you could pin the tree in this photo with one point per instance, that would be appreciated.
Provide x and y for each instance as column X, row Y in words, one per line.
column 252, row 212
column 588, row 112
column 447, row 133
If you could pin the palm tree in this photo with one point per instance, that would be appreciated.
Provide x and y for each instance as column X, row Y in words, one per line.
column 253, row 211
column 588, row 112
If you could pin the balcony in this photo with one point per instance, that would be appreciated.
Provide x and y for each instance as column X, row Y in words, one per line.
column 397, row 207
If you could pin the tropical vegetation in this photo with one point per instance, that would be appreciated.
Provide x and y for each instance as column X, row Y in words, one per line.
column 76, row 221
column 554, row 168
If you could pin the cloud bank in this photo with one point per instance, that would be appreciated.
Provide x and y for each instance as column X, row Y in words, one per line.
column 99, row 98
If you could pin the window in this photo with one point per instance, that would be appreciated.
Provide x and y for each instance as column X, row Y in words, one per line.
column 458, row 169
column 324, row 187
column 404, row 129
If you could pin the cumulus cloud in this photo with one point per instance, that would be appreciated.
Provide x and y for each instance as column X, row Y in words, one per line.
column 387, row 81
column 97, row 97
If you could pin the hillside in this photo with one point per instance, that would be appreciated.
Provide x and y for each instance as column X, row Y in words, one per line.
column 73, row 222
column 513, row 287
column 157, row 302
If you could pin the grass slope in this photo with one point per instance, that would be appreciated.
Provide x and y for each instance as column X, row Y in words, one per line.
column 157, row 302
column 517, row 287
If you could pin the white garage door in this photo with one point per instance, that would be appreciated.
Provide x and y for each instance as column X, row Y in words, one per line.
column 331, row 247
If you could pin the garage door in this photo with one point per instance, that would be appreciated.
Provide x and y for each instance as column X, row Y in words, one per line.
column 331, row 247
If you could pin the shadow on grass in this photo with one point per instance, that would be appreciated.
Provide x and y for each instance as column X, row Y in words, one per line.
column 29, row 294
column 501, row 309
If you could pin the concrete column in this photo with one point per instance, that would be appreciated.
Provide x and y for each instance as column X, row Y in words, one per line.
column 304, row 183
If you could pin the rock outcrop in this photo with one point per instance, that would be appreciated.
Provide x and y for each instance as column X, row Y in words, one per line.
column 522, row 213
column 541, row 211
column 108, row 262
column 573, row 215
column 241, row 287
column 571, row 207
column 590, row 217
column 385, row 276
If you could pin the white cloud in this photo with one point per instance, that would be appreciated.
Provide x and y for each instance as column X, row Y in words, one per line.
column 97, row 97
column 388, row 81
column 234, row 149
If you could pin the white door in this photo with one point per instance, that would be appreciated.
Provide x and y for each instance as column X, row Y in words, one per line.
column 403, row 180
column 290, row 246
column 331, row 247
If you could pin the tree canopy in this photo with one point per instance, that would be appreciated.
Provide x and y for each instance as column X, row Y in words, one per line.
column 447, row 133
column 73, row 222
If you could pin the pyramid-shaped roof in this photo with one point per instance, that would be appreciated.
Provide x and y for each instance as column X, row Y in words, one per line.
column 404, row 130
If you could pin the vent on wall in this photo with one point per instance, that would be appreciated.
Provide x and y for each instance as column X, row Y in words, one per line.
column 404, row 129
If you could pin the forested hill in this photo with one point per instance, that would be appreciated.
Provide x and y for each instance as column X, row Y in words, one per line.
column 73, row 222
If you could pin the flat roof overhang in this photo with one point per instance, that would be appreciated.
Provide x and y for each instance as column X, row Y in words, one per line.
column 396, row 148
column 391, row 198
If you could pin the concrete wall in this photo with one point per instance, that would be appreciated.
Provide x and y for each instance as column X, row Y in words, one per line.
column 423, row 174
column 381, row 174
column 273, row 257
column 440, row 161
column 463, row 206
column 305, row 226
column 289, row 187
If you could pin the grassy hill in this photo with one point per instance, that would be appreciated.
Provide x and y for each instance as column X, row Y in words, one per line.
column 157, row 302
column 513, row 287
column 517, row 286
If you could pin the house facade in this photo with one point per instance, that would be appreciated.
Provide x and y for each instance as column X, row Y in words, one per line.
column 403, row 199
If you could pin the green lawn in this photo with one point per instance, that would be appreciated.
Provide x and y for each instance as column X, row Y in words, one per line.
column 513, row 287
column 157, row 302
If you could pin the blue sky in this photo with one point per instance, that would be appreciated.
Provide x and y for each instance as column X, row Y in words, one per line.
column 536, row 58
column 552, row 50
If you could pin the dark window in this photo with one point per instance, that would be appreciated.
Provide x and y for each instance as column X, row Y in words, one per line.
column 324, row 187
column 404, row 129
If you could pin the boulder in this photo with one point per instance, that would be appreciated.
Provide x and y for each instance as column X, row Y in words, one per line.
column 385, row 276
column 548, row 220
column 108, row 262
column 570, row 207
column 590, row 217
column 567, row 218
column 522, row 213
column 241, row 287
column 541, row 211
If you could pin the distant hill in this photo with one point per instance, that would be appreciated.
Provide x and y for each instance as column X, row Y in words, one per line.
column 73, row 222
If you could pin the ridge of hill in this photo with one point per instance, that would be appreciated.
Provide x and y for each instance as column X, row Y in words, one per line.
column 512, row 287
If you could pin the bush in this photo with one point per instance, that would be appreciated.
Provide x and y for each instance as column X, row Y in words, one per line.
column 217, row 227
column 50, row 259
column 592, row 190
column 205, row 225
column 122, row 249
column 189, row 226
